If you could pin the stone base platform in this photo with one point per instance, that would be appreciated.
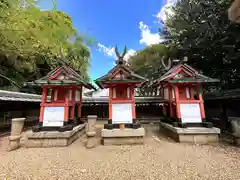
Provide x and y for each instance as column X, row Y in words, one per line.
column 53, row 138
column 191, row 135
column 125, row 136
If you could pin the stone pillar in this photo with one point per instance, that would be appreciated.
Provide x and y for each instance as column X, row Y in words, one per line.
column 91, row 131
column 235, row 122
column 16, row 130
column 90, row 128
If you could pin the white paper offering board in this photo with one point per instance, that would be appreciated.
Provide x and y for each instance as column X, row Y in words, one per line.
column 190, row 113
column 53, row 116
column 121, row 113
column 77, row 96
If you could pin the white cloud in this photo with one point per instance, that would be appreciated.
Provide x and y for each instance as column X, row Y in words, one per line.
column 110, row 51
column 147, row 37
column 130, row 52
column 161, row 16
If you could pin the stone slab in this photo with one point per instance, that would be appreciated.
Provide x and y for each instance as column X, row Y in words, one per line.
column 18, row 119
column 54, row 134
column 123, row 141
column 198, row 139
column 198, row 135
column 53, row 138
column 191, row 130
column 122, row 136
column 127, row 132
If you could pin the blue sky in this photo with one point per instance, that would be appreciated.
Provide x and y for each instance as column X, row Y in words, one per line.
column 114, row 22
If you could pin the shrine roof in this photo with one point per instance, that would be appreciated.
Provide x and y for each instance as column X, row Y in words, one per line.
column 28, row 97
column 130, row 76
column 121, row 73
column 193, row 76
column 19, row 96
column 61, row 76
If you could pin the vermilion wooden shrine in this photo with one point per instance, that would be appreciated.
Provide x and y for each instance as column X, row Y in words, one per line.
column 181, row 86
column 121, row 81
column 64, row 86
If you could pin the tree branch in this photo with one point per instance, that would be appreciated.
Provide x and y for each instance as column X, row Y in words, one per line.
column 10, row 80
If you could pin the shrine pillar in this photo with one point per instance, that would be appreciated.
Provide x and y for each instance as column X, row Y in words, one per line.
column 171, row 101
column 201, row 103
column 164, row 109
column 72, row 116
column 110, row 96
column 44, row 100
column 80, row 102
column 66, row 107
column 176, row 91
column 133, row 103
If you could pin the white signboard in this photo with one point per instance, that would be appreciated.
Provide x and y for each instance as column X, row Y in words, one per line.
column 121, row 113
column 77, row 96
column 53, row 116
column 166, row 93
column 190, row 113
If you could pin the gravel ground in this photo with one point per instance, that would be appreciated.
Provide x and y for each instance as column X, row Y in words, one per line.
column 158, row 158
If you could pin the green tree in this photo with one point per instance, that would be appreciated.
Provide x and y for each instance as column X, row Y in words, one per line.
column 200, row 29
column 149, row 63
column 31, row 40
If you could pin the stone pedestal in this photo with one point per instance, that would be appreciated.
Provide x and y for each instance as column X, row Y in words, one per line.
column 235, row 122
column 90, row 128
column 16, row 130
column 125, row 136
column 236, row 140
column 91, row 142
column 91, row 131
column 53, row 138
column 191, row 135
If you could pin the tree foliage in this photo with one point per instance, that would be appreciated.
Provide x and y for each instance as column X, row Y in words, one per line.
column 31, row 41
column 148, row 62
column 200, row 29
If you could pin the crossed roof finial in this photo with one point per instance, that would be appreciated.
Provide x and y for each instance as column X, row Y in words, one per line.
column 120, row 59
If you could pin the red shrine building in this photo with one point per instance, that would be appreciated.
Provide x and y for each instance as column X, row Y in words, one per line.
column 181, row 87
column 121, row 81
column 63, row 109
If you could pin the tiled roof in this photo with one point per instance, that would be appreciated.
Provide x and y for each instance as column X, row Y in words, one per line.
column 196, row 76
column 107, row 78
column 27, row 97
column 73, row 79
column 137, row 99
column 17, row 96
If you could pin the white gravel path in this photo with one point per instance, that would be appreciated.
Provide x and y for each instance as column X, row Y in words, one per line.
column 156, row 160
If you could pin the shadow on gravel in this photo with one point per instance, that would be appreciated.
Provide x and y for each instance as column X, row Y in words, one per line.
column 153, row 131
